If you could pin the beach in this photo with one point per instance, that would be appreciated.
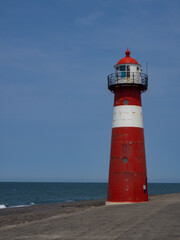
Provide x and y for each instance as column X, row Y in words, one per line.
column 19, row 215
column 157, row 219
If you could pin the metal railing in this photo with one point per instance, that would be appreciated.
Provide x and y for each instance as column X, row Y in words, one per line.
column 127, row 78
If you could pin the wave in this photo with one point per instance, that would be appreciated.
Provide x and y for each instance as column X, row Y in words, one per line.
column 2, row 206
column 23, row 205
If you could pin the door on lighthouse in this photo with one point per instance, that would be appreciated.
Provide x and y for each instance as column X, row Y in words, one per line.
column 127, row 186
column 127, row 174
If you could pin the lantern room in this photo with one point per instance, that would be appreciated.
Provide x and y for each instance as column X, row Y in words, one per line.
column 127, row 72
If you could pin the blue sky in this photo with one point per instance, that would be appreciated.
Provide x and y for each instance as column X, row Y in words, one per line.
column 55, row 108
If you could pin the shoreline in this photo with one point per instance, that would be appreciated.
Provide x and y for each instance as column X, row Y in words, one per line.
column 67, row 202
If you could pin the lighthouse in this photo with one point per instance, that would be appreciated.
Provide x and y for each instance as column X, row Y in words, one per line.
column 127, row 170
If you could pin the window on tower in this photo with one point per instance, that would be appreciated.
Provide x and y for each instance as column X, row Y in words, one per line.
column 123, row 69
column 125, row 102
column 125, row 160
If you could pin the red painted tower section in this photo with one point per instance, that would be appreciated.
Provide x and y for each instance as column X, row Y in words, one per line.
column 127, row 171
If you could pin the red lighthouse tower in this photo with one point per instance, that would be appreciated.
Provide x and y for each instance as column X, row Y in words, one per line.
column 127, row 171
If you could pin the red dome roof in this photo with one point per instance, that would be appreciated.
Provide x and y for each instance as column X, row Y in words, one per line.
column 127, row 59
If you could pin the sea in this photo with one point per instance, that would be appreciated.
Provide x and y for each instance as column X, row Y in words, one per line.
column 20, row 194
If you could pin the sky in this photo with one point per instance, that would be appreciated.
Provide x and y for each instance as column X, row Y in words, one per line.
column 55, row 108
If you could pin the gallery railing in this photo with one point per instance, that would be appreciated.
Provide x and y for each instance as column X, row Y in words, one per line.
column 127, row 78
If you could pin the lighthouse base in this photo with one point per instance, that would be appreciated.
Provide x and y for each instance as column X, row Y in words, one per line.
column 115, row 203
column 107, row 203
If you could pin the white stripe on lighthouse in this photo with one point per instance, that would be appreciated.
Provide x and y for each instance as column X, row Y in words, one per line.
column 127, row 116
